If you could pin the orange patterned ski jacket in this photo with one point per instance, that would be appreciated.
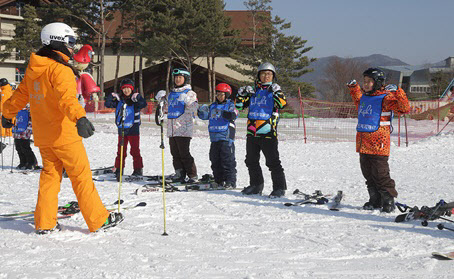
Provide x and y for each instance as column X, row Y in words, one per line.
column 379, row 142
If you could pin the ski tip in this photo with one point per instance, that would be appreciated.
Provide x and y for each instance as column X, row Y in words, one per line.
column 141, row 204
column 288, row 204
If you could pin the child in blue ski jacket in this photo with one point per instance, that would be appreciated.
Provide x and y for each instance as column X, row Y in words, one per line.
column 22, row 132
column 128, row 106
column 221, row 115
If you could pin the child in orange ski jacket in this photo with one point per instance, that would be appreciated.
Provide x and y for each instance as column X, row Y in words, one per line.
column 376, row 104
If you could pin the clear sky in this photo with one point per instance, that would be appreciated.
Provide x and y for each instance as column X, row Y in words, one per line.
column 414, row 31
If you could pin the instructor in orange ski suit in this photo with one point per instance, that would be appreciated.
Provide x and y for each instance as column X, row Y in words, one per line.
column 49, row 86
column 6, row 91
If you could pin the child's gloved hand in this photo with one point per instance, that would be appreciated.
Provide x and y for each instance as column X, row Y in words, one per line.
column 275, row 88
column 351, row 83
column 134, row 97
column 161, row 94
column 116, row 96
column 227, row 114
column 204, row 108
column 245, row 91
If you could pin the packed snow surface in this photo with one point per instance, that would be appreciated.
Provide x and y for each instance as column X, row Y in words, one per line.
column 223, row 234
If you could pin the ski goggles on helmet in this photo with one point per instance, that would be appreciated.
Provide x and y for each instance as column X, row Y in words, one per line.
column 71, row 41
column 180, row 72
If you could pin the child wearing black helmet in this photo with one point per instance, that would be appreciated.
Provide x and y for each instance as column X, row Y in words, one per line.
column 375, row 104
column 127, row 118
column 221, row 115
column 264, row 102
column 22, row 132
column 182, row 105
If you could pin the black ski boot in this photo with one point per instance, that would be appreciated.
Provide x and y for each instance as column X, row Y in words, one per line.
column 114, row 219
column 374, row 200
column 179, row 176
column 253, row 190
column 137, row 172
column 57, row 228
column 230, row 185
column 117, row 174
column 277, row 193
column 387, row 201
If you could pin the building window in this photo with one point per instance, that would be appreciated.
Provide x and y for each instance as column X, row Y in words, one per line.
column 20, row 72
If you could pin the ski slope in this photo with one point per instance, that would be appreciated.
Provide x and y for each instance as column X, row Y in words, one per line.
column 223, row 234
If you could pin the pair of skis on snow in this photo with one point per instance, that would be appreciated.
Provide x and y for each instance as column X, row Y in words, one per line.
column 317, row 198
column 65, row 211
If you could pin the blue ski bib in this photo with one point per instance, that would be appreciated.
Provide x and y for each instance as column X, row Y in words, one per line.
column 369, row 113
column 176, row 107
column 129, row 115
column 261, row 105
column 22, row 120
column 218, row 123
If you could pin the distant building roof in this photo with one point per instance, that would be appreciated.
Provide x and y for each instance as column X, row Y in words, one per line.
column 406, row 70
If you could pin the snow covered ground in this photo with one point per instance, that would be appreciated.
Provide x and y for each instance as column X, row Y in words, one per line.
column 223, row 234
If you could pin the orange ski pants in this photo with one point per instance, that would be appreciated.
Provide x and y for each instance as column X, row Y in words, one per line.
column 73, row 158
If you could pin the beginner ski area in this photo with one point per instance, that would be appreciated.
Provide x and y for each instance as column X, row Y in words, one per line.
column 223, row 234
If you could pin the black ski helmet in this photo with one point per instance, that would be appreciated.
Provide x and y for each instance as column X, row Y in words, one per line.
column 127, row 82
column 181, row 72
column 378, row 76
column 3, row 82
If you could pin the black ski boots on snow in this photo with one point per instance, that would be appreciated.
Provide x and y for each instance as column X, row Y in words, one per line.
column 179, row 176
column 374, row 200
column 387, row 202
column 114, row 219
column 230, row 185
column 253, row 190
column 117, row 174
column 277, row 193
column 57, row 228
column 137, row 172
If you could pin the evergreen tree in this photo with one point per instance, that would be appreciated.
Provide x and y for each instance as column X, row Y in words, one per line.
column 270, row 44
column 27, row 36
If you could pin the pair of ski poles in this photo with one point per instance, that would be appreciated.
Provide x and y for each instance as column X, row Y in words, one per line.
column 159, row 120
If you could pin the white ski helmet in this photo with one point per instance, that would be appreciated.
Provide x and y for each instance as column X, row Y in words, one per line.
column 58, row 33
column 267, row 66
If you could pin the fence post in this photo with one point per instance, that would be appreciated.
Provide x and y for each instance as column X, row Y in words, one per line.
column 438, row 118
column 398, row 129
column 302, row 113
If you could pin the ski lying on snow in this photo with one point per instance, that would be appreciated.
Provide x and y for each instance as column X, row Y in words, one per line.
column 68, row 209
column 443, row 256
column 316, row 198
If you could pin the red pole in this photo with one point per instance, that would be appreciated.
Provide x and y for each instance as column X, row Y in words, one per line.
column 302, row 112
column 398, row 130
column 438, row 120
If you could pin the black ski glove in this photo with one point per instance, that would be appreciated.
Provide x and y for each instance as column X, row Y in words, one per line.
column 84, row 127
column 7, row 123
column 227, row 114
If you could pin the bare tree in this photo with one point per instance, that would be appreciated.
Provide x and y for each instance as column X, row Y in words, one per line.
column 338, row 72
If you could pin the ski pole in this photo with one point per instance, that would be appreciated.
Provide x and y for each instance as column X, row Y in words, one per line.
column 1, row 143
column 12, row 156
column 122, row 138
column 161, row 107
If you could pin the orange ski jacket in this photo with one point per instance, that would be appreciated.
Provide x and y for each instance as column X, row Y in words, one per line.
column 7, row 91
column 379, row 142
column 50, row 88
